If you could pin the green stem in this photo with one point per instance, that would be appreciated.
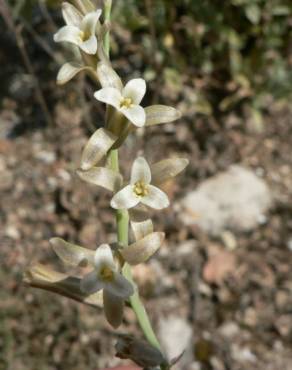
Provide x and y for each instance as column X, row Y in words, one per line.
column 140, row 311
column 122, row 219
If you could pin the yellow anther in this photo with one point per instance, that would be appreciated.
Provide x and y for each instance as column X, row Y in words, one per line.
column 84, row 36
column 106, row 274
column 126, row 103
column 141, row 189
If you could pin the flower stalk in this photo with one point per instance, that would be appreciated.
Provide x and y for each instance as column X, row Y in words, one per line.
column 122, row 221
column 109, row 282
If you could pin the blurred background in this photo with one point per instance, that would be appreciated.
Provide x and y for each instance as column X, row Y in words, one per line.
column 221, row 285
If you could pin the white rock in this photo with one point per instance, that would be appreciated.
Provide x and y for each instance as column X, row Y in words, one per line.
column 243, row 354
column 235, row 200
column 175, row 334
column 46, row 156
column 229, row 330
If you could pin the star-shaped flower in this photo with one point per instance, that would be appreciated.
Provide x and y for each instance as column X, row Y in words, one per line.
column 140, row 189
column 126, row 100
column 106, row 276
column 105, row 279
column 79, row 29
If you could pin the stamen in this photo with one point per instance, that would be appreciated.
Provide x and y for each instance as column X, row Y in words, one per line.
column 84, row 36
column 106, row 274
column 141, row 189
column 126, row 103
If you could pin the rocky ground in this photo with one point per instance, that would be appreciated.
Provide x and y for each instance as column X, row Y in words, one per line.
column 221, row 285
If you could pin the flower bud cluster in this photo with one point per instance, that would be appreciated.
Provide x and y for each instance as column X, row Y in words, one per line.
column 125, row 113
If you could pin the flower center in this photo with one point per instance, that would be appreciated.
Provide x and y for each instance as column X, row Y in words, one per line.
column 84, row 36
column 126, row 103
column 140, row 189
column 106, row 274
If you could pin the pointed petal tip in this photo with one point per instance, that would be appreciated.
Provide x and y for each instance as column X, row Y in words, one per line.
column 53, row 241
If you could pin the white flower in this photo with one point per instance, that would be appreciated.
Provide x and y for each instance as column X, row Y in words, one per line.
column 140, row 190
column 115, row 287
column 79, row 29
column 126, row 100
column 106, row 276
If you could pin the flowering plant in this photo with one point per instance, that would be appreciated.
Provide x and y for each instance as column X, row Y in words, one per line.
column 109, row 282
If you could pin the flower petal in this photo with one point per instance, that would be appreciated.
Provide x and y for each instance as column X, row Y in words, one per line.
column 103, row 177
column 89, row 46
column 167, row 169
column 142, row 228
column 120, row 286
column 125, row 198
column 68, row 34
column 109, row 95
column 96, row 148
column 42, row 277
column 72, row 254
column 91, row 283
column 85, row 6
column 135, row 114
column 140, row 171
column 108, row 77
column 104, row 256
column 113, row 308
column 156, row 114
column 135, row 89
column 156, row 198
column 143, row 249
column 89, row 22
column 68, row 71
column 71, row 15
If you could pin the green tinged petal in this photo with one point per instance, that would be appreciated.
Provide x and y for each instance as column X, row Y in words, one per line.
column 103, row 177
column 96, row 148
column 166, row 169
column 72, row 254
column 143, row 249
column 108, row 77
column 113, row 308
column 42, row 277
column 68, row 71
column 157, row 114
column 142, row 228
